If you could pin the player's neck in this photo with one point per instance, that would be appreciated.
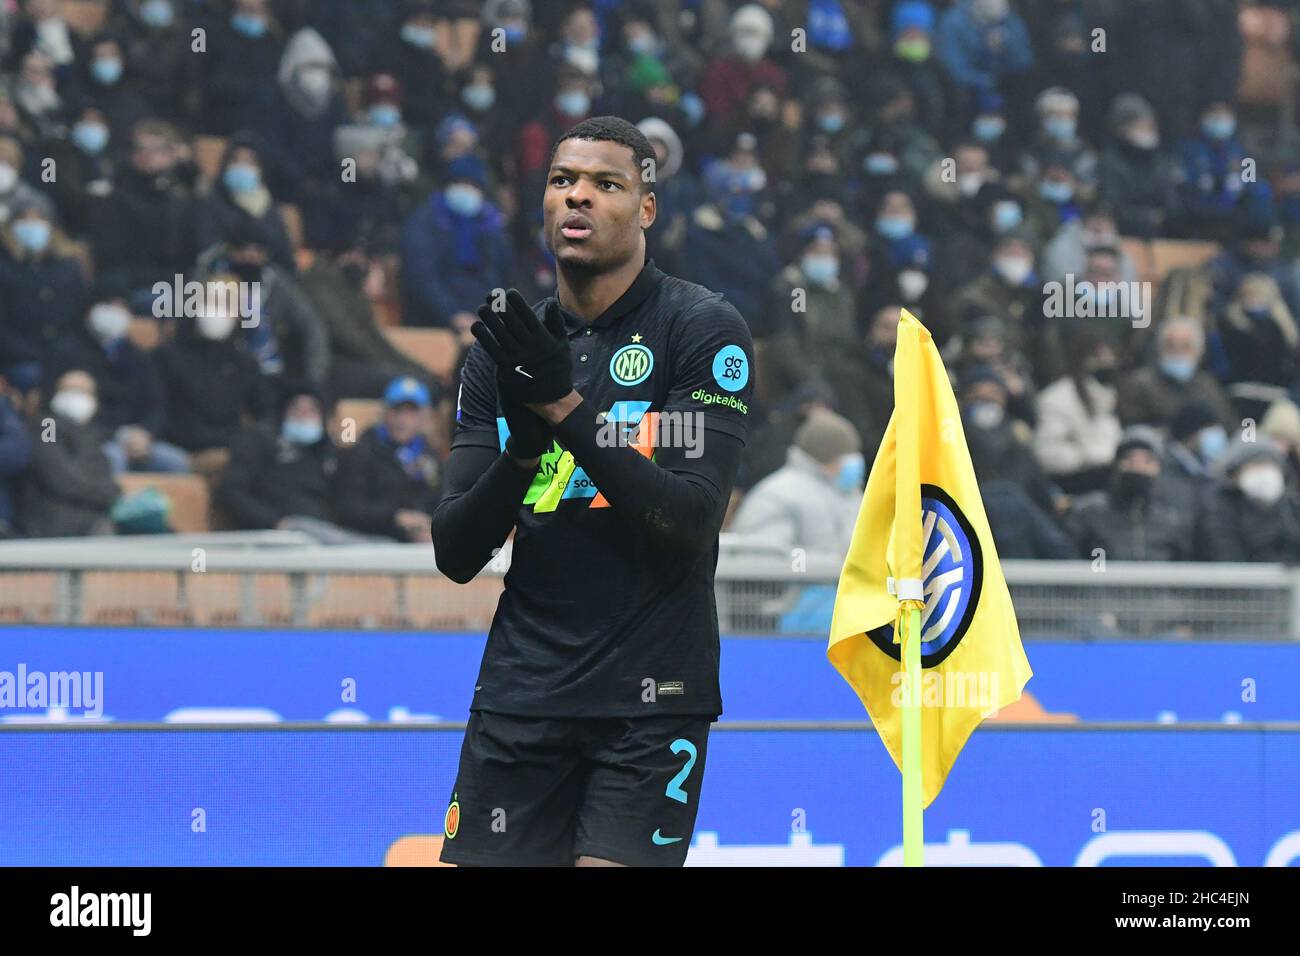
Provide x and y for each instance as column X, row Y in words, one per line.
column 587, row 295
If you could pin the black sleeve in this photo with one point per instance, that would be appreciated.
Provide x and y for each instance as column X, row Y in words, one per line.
column 483, row 490
column 676, row 502
column 678, row 499
column 482, row 487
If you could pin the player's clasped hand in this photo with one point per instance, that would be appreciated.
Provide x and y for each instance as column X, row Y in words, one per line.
column 532, row 358
column 530, row 436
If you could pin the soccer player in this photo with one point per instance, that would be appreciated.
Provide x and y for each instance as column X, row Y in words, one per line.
column 605, row 426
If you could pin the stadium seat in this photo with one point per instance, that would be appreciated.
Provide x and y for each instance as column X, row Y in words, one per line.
column 360, row 412
column 131, row 597
column 208, row 151
column 215, row 599
column 361, row 600
column 187, row 493
column 1170, row 254
column 435, row 349
column 28, row 597
column 84, row 17
column 1268, row 68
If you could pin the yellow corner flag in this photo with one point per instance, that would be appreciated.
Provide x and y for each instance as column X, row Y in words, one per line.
column 922, row 542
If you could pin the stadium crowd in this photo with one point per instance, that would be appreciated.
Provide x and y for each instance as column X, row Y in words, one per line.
column 822, row 163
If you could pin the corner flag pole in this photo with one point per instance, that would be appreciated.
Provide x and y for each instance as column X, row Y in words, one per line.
column 913, row 814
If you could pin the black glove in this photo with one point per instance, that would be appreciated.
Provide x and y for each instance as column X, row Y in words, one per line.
column 530, row 435
column 532, row 359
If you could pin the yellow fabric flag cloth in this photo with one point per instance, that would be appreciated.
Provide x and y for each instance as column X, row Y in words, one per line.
column 922, row 534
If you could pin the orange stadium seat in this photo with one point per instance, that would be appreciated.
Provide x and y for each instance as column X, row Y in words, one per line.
column 356, row 413
column 1268, row 69
column 435, row 349
column 1170, row 254
column 187, row 493
column 131, row 597
column 208, row 151
column 28, row 597
column 84, row 17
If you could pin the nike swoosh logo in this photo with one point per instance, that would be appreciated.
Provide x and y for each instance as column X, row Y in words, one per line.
column 659, row 840
column 520, row 370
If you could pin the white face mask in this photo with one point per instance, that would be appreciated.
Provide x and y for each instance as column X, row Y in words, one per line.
column 1015, row 269
column 76, row 405
column 968, row 184
column 315, row 81
column 912, row 283
column 109, row 322
column 750, row 46
column 215, row 326
column 8, row 177
column 1263, row 483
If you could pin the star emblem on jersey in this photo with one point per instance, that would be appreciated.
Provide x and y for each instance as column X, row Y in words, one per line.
column 636, row 337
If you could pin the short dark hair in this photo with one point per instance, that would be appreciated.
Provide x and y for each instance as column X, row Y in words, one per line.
column 614, row 129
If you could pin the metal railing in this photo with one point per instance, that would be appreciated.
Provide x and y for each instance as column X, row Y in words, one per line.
column 282, row 579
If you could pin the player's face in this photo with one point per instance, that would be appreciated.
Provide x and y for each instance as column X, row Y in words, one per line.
column 593, row 208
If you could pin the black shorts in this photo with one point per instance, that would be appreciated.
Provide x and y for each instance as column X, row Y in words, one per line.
column 543, row 791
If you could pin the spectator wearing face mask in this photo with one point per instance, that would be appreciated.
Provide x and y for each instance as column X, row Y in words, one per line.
column 1208, row 175
column 570, row 103
column 1255, row 248
column 988, row 127
column 1052, row 201
column 1136, row 174
column 238, row 78
column 982, row 43
column 1078, row 429
column 69, row 488
column 495, row 120
column 211, row 386
column 154, row 35
column 1173, row 377
column 127, row 385
column 1197, row 443
column 1143, row 514
column 1281, row 424
column 1012, row 290
column 363, row 362
column 86, row 168
column 1253, row 515
column 278, row 323
column 390, row 482
column 1057, row 143
column 813, row 310
column 454, row 246
column 239, row 200
column 1259, row 340
column 43, row 292
column 516, row 95
column 900, row 256
column 297, row 130
column 1001, row 446
column 411, row 53
column 954, row 189
column 727, row 248
column 106, row 84
column 911, row 60
column 284, row 477
column 731, row 76
column 812, row 501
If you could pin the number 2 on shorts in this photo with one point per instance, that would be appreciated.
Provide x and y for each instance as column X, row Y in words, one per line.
column 674, row 789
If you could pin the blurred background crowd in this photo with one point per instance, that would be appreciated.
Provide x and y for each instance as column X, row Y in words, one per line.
column 377, row 166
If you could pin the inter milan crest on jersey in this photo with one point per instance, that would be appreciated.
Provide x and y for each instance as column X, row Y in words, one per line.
column 953, row 573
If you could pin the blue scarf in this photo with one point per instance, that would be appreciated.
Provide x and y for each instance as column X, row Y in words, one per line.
column 408, row 454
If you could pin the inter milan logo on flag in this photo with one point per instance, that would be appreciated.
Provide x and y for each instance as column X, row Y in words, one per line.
column 953, row 573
